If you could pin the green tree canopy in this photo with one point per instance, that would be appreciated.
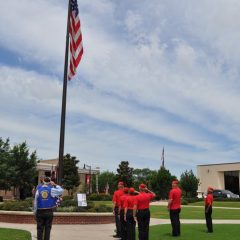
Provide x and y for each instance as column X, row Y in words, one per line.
column 70, row 173
column 6, row 170
column 161, row 183
column 24, row 165
column 189, row 183
column 143, row 176
column 105, row 179
column 125, row 173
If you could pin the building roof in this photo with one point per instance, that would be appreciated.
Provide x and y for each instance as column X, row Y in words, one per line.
column 219, row 164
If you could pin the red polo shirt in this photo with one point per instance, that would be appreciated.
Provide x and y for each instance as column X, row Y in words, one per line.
column 116, row 197
column 143, row 200
column 130, row 202
column 175, row 195
column 209, row 200
column 123, row 200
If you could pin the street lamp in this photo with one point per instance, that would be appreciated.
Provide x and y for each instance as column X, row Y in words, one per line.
column 90, row 174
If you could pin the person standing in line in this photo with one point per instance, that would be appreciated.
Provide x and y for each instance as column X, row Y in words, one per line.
column 116, row 202
column 44, row 203
column 174, row 207
column 128, row 214
column 142, row 212
column 208, row 209
column 122, row 205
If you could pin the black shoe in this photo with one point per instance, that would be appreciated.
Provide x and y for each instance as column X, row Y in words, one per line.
column 116, row 236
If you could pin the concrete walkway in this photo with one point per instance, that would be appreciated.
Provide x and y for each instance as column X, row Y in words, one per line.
column 96, row 232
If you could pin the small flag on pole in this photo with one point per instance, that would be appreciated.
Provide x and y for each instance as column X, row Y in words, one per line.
column 162, row 158
column 76, row 47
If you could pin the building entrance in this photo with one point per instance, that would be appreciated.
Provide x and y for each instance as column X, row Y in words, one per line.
column 231, row 179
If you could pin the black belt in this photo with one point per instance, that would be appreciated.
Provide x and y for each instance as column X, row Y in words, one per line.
column 45, row 209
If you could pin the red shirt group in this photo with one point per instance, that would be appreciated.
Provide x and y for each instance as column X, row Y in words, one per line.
column 175, row 195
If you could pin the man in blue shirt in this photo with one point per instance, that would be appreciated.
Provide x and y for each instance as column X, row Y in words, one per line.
column 44, row 203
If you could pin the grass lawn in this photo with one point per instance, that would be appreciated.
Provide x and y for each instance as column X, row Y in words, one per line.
column 218, row 204
column 106, row 203
column 14, row 234
column 196, row 232
column 195, row 213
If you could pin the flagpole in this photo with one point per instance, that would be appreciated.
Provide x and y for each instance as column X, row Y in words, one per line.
column 64, row 98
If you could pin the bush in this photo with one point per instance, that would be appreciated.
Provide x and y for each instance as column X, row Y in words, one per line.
column 100, row 197
column 184, row 202
column 193, row 200
column 65, row 198
column 227, row 199
column 16, row 206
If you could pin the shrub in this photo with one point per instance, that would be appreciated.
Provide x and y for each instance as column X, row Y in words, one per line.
column 16, row 206
column 193, row 200
column 100, row 197
column 184, row 202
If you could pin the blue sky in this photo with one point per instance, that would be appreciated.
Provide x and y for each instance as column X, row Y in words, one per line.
column 153, row 74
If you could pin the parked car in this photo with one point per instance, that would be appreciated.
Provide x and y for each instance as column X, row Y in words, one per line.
column 217, row 193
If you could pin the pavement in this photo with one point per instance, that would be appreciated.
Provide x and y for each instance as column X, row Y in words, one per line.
column 96, row 231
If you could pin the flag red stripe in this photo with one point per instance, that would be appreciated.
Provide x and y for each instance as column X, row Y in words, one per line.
column 76, row 48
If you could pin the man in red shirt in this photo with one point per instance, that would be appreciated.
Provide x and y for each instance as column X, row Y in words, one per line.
column 116, row 203
column 142, row 202
column 174, row 207
column 208, row 209
column 128, row 214
column 122, row 205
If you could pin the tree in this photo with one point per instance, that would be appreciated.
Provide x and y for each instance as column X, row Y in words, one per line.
column 105, row 180
column 161, row 183
column 125, row 173
column 143, row 176
column 24, row 165
column 70, row 173
column 189, row 183
column 6, row 170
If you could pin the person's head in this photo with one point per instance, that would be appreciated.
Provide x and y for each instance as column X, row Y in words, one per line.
column 175, row 184
column 131, row 191
column 210, row 190
column 142, row 187
column 41, row 179
column 120, row 185
column 46, row 180
column 125, row 190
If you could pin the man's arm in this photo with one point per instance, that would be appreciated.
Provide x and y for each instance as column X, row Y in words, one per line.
column 35, row 202
column 56, row 191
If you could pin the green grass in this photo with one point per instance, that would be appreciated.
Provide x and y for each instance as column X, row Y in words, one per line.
column 196, row 232
column 14, row 234
column 195, row 213
column 218, row 204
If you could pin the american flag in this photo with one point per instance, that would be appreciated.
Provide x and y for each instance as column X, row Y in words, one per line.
column 75, row 34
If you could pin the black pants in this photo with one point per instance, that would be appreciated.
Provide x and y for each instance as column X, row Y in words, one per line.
column 117, row 221
column 175, row 221
column 143, row 218
column 208, row 216
column 131, row 226
column 44, row 223
column 123, row 226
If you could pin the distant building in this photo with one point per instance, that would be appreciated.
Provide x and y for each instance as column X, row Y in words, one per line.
column 219, row 176
column 49, row 168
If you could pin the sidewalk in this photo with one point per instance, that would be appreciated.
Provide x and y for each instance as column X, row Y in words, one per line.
column 96, row 232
